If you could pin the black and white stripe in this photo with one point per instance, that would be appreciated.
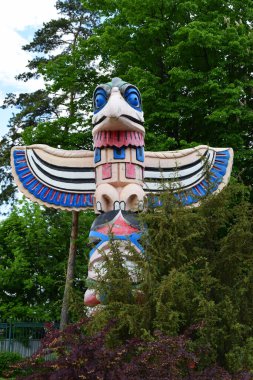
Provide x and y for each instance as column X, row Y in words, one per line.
column 61, row 177
column 178, row 177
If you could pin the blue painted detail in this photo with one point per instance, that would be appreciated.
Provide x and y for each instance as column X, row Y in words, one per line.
column 194, row 191
column 154, row 201
column 205, row 187
column 91, row 199
column 82, row 200
column 223, row 154
column 27, row 179
column 58, row 198
column 119, row 153
column 221, row 169
column 23, row 172
column 37, row 190
column 133, row 238
column 99, row 99
column 44, row 192
column 133, row 98
column 140, row 153
column 201, row 190
column 79, row 200
column 97, row 155
column 216, row 173
column 49, row 196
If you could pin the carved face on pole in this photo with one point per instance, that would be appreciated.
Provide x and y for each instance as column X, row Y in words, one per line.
column 117, row 107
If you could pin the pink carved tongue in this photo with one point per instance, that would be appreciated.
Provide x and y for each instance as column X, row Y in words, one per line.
column 118, row 139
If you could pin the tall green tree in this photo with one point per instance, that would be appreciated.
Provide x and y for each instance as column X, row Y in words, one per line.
column 33, row 262
column 193, row 63
column 197, row 270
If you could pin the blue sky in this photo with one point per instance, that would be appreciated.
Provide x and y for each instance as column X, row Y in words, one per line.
column 19, row 19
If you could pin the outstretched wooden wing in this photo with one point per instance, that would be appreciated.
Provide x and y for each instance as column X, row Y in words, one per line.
column 54, row 177
column 190, row 173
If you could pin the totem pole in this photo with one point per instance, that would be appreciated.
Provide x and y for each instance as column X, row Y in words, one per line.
column 117, row 177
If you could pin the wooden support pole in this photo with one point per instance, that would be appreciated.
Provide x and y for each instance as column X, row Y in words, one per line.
column 70, row 271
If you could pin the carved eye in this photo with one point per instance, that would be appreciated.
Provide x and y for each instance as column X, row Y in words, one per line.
column 100, row 99
column 133, row 98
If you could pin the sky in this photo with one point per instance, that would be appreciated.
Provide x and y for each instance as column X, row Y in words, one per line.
column 19, row 20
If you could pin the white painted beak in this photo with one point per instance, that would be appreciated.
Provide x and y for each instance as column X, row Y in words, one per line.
column 118, row 115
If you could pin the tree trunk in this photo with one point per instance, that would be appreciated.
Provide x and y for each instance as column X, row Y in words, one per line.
column 70, row 271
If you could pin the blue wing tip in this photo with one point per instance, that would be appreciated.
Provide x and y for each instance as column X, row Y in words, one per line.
column 45, row 193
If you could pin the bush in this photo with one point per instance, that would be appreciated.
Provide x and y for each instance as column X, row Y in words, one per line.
column 197, row 269
column 78, row 355
column 7, row 359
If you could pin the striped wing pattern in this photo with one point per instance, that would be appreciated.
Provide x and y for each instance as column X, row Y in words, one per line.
column 190, row 174
column 54, row 177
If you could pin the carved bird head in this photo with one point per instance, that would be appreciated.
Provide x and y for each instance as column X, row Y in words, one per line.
column 117, row 107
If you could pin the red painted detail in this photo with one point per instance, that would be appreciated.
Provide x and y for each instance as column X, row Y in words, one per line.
column 90, row 299
column 31, row 180
column 42, row 188
column 34, row 187
column 130, row 170
column 201, row 185
column 71, row 198
column 118, row 226
column 20, row 153
column 23, row 168
column 52, row 196
column 106, row 171
column 58, row 197
column 46, row 193
column 118, row 139
column 26, row 175
column 198, row 191
column 20, row 161
column 78, row 198
column 65, row 198
column 215, row 167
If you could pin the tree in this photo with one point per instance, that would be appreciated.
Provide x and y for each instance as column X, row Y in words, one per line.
column 33, row 263
column 197, row 270
column 192, row 61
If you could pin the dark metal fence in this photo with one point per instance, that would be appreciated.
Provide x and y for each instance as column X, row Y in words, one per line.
column 21, row 337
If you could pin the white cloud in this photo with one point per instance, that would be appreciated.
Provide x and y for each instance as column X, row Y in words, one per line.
column 19, row 19
column 17, row 16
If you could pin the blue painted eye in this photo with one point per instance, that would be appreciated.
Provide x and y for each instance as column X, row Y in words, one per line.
column 133, row 98
column 100, row 100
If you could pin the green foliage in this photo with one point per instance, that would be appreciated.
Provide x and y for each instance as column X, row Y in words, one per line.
column 192, row 61
column 198, row 269
column 34, row 249
column 7, row 359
